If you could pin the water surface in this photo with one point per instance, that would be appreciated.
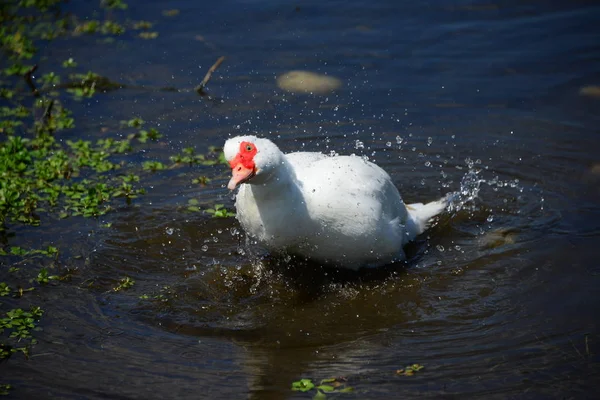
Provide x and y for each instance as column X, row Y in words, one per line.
column 499, row 298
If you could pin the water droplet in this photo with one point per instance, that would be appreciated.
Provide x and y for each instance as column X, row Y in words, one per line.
column 204, row 248
column 429, row 141
column 490, row 218
column 359, row 145
column 388, row 144
column 440, row 248
column 169, row 231
column 427, row 164
column 399, row 140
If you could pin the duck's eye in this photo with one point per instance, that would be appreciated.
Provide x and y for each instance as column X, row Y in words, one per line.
column 249, row 147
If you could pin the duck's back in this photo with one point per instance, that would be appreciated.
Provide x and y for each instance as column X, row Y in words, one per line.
column 357, row 210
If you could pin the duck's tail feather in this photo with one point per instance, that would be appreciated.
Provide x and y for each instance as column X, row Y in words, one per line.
column 420, row 214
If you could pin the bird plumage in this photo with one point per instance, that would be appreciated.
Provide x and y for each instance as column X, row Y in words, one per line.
column 334, row 209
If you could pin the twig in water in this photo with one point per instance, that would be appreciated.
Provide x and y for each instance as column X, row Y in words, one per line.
column 587, row 345
column 200, row 88
column 48, row 112
column 29, row 79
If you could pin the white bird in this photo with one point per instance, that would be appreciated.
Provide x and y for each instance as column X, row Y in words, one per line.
column 340, row 210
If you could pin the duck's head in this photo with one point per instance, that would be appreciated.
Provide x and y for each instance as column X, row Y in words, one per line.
column 252, row 160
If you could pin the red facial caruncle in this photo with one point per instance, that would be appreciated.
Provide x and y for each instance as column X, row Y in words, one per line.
column 242, row 165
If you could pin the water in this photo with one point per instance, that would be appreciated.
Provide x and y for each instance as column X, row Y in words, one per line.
column 481, row 100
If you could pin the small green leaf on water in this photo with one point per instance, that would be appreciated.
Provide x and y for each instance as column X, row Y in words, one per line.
column 303, row 385
column 202, row 180
column 124, row 283
column 69, row 63
column 409, row 370
column 5, row 389
column 319, row 395
column 417, row 367
column 326, row 388
column 4, row 289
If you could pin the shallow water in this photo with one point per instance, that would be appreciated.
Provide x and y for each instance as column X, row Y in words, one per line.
column 499, row 298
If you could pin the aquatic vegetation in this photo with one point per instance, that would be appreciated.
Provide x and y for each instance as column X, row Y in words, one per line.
column 329, row 385
column 18, row 324
column 124, row 283
column 189, row 156
column 153, row 166
column 409, row 370
column 43, row 277
column 45, row 176
column 201, row 180
column 5, row 389
column 219, row 211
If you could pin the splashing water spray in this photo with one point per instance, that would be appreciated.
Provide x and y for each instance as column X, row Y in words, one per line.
column 470, row 186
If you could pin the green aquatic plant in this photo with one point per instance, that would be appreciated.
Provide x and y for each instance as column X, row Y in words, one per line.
column 4, row 289
column 43, row 277
column 409, row 370
column 326, row 386
column 18, row 324
column 193, row 205
column 49, row 170
column 189, row 156
column 153, row 166
column 219, row 211
column 50, row 251
column 201, row 180
column 5, row 389
column 124, row 283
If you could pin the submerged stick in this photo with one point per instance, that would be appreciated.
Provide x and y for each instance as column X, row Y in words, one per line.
column 587, row 346
column 29, row 79
column 48, row 112
column 200, row 88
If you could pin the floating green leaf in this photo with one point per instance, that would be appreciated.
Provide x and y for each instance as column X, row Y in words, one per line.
column 303, row 385
column 124, row 283
column 409, row 370
column 329, row 385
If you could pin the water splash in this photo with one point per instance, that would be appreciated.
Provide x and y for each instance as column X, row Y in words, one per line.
column 470, row 185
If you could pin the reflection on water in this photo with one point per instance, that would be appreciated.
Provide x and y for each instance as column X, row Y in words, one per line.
column 497, row 298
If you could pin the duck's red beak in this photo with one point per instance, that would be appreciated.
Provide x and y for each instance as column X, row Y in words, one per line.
column 239, row 175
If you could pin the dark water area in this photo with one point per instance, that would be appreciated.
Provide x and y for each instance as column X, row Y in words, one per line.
column 499, row 299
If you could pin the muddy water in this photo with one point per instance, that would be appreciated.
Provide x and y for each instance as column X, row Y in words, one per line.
column 499, row 298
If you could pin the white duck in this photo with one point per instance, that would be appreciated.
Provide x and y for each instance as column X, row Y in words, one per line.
column 340, row 210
